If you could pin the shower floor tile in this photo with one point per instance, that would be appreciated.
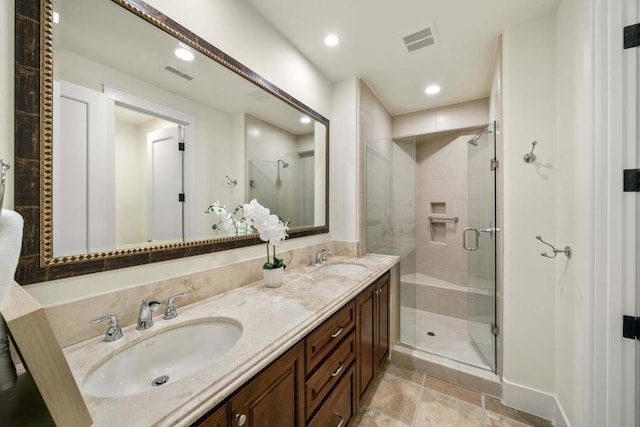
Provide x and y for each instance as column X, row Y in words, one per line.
column 450, row 337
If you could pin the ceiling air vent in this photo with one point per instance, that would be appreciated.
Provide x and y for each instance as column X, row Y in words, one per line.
column 178, row 73
column 419, row 39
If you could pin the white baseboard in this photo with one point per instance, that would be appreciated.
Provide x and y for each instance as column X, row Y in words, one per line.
column 535, row 402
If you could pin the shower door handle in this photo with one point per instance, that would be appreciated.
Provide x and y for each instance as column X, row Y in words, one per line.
column 491, row 230
column 464, row 239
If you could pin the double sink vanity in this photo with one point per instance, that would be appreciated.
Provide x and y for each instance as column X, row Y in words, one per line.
column 301, row 354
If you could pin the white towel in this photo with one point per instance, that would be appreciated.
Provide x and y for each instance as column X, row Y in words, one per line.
column 11, row 224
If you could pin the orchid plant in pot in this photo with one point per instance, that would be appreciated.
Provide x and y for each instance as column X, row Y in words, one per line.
column 229, row 221
column 273, row 231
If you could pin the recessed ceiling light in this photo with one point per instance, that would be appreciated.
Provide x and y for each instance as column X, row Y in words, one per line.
column 331, row 40
column 432, row 89
column 184, row 54
column 56, row 17
column 305, row 120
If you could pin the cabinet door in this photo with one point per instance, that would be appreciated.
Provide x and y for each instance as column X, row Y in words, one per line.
column 365, row 340
column 217, row 419
column 382, row 334
column 275, row 397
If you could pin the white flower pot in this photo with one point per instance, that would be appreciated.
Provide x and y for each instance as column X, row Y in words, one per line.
column 274, row 277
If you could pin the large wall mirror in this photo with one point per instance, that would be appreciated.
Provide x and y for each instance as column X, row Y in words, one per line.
column 129, row 127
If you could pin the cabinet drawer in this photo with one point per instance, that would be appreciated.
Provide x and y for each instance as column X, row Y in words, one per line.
column 325, row 337
column 329, row 373
column 339, row 408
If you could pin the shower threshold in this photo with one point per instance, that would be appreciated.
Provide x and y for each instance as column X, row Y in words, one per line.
column 467, row 376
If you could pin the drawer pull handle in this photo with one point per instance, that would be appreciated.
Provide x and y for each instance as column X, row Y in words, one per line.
column 241, row 419
column 337, row 371
column 341, row 421
column 338, row 332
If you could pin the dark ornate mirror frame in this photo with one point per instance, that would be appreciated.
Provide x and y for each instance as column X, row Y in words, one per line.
column 33, row 149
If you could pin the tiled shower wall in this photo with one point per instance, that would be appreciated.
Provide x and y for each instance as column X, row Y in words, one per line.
column 390, row 199
column 441, row 188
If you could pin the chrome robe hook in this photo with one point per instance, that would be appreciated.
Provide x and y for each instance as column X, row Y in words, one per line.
column 567, row 249
column 231, row 182
column 4, row 167
column 530, row 157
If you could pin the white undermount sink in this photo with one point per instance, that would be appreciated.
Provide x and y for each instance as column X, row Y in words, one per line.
column 343, row 268
column 162, row 358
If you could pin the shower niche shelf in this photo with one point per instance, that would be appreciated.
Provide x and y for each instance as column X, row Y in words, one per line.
column 437, row 224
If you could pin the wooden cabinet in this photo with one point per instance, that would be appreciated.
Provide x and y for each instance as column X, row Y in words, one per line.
column 323, row 378
column 274, row 397
column 218, row 418
column 383, row 324
column 330, row 352
column 365, row 340
column 320, row 342
column 372, row 333
column 339, row 408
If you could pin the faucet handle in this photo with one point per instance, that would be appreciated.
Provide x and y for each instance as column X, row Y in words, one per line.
column 152, row 303
column 114, row 332
column 171, row 312
column 321, row 256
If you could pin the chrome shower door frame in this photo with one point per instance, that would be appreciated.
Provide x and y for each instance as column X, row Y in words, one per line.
column 479, row 239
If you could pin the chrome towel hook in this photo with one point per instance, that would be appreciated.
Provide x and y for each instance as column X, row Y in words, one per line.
column 4, row 167
column 567, row 249
column 232, row 182
column 530, row 157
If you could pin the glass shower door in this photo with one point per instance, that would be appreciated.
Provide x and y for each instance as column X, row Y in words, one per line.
column 480, row 242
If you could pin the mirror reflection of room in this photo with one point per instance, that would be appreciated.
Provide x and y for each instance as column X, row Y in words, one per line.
column 118, row 184
column 281, row 170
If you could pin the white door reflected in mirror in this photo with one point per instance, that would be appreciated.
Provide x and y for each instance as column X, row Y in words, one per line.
column 166, row 194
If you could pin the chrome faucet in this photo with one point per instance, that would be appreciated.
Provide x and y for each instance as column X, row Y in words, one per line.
column 170, row 312
column 114, row 332
column 321, row 256
column 145, row 315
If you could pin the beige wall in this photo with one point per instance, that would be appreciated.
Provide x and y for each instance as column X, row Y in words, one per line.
column 530, row 209
column 343, row 155
column 265, row 144
column 374, row 123
column 131, row 184
column 441, row 188
column 529, row 203
column 543, row 325
column 570, row 215
column 450, row 117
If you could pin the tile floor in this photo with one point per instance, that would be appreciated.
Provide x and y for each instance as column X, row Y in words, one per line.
column 402, row 397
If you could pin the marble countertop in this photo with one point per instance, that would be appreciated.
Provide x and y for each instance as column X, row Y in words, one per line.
column 273, row 319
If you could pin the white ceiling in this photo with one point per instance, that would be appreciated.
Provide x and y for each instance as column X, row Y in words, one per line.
column 371, row 46
column 86, row 29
